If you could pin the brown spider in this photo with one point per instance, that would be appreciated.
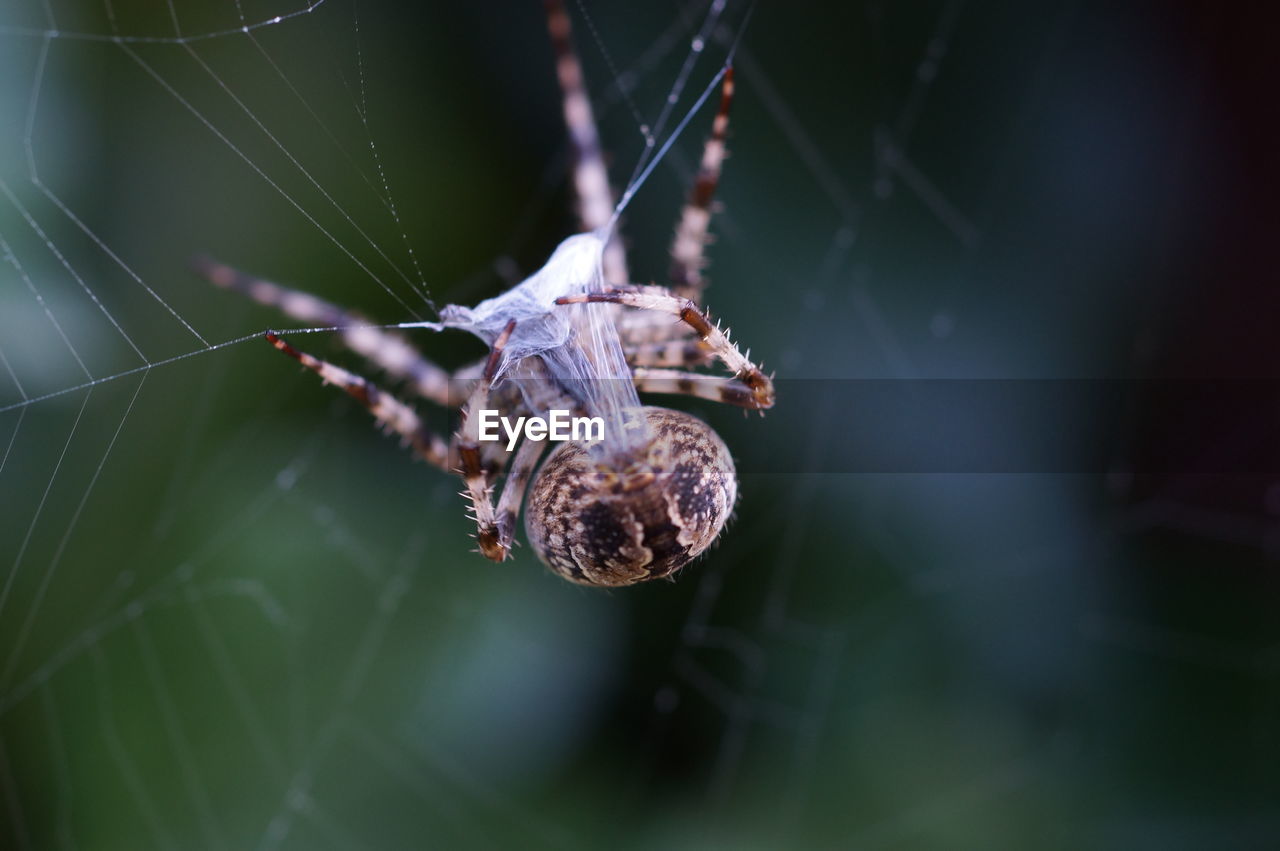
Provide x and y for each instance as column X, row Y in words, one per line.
column 636, row 507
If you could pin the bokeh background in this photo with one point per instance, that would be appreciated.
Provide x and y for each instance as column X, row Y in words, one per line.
column 235, row 616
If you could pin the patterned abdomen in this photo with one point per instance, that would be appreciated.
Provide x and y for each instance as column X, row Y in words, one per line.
column 598, row 525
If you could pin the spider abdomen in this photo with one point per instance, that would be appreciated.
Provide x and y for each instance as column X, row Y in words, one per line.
column 598, row 525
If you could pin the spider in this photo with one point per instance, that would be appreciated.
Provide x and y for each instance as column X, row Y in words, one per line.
column 573, row 336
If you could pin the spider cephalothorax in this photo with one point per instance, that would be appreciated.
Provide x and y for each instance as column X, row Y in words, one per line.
column 648, row 498
column 598, row 525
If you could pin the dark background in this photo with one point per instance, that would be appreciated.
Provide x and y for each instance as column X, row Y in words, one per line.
column 235, row 616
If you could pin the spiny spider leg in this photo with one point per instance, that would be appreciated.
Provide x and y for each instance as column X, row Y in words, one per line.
column 389, row 351
column 717, row 388
column 660, row 300
column 590, row 177
column 472, row 469
column 687, row 250
column 395, row 415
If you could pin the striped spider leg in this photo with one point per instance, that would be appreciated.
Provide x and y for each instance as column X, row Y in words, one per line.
column 649, row 341
column 748, row 388
column 384, row 348
column 590, row 177
column 688, row 249
column 683, row 351
column 392, row 413
column 387, row 350
column 495, row 542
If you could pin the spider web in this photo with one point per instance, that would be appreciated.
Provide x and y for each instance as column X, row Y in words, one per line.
column 230, row 616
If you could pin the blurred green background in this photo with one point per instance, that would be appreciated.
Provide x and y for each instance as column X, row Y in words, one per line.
column 234, row 616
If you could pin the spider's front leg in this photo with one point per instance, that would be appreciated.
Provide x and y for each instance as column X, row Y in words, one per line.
column 388, row 350
column 717, row 388
column 590, row 177
column 759, row 387
column 475, row 473
column 688, row 249
column 395, row 415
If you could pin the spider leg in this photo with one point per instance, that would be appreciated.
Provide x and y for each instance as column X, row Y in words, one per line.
column 395, row 415
column 667, row 353
column 717, row 388
column 513, row 491
column 590, row 177
column 662, row 301
column 389, row 351
column 692, row 233
column 687, row 250
column 471, row 458
column 639, row 329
